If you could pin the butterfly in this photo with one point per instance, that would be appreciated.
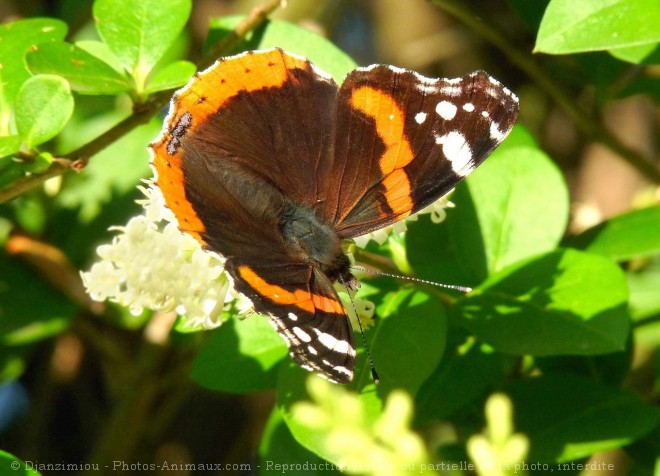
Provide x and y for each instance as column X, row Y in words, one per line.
column 264, row 159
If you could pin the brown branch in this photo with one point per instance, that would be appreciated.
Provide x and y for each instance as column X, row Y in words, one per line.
column 78, row 159
column 587, row 124
column 257, row 16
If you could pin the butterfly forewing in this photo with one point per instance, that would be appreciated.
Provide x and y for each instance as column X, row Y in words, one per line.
column 404, row 140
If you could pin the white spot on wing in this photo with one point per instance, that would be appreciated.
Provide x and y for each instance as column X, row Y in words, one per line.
column 301, row 334
column 396, row 69
column 343, row 370
column 420, row 117
column 424, row 79
column 495, row 132
column 292, row 316
column 367, row 68
column 426, row 85
column 332, row 343
column 427, row 88
column 457, row 151
column 446, row 110
column 468, row 107
column 451, row 91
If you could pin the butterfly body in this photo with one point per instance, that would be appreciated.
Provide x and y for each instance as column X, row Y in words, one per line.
column 266, row 160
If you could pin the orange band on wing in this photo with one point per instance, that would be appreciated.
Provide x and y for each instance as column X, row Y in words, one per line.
column 204, row 95
column 390, row 120
column 302, row 299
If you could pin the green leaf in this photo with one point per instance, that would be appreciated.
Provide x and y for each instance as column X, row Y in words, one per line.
column 415, row 324
column 44, row 105
column 467, row 371
column 530, row 13
column 290, row 37
column 139, row 32
column 564, row 302
column 30, row 214
column 10, row 172
column 102, row 52
column 13, row 362
column 278, row 448
column 508, row 191
column 40, row 163
column 496, row 221
column 645, row 85
column 518, row 137
column 608, row 369
column 592, row 25
column 24, row 319
column 9, row 145
column 16, row 39
column 85, row 72
column 11, row 465
column 645, row 454
column 241, row 356
column 568, row 417
column 644, row 54
column 623, row 237
column 644, row 284
column 171, row 76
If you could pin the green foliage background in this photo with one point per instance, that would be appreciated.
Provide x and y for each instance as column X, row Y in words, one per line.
column 564, row 322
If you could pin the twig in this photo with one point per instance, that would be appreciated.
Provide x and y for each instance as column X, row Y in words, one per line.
column 78, row 159
column 257, row 16
column 524, row 61
column 24, row 184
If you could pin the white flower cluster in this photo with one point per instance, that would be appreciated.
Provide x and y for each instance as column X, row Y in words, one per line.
column 151, row 264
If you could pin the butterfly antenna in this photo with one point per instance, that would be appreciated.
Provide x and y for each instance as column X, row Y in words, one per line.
column 463, row 289
column 374, row 374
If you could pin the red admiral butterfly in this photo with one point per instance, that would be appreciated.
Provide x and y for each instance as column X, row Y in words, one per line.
column 264, row 159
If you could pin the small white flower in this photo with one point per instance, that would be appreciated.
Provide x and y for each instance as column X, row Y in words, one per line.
column 437, row 209
column 106, row 279
column 154, row 204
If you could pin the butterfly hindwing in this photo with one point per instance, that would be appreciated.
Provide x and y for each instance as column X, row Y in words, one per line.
column 307, row 312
